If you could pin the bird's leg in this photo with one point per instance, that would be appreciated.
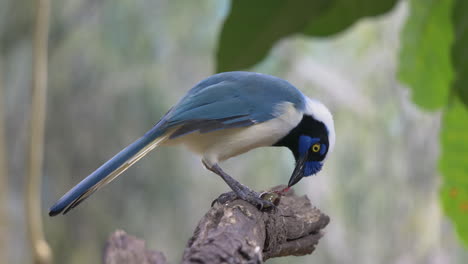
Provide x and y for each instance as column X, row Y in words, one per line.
column 239, row 190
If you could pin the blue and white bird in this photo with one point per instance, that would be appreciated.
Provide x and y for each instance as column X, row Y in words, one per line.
column 223, row 116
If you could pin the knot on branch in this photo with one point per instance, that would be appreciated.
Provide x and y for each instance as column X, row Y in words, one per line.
column 294, row 228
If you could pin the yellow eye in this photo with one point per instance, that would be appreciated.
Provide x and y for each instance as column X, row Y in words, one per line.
column 316, row 147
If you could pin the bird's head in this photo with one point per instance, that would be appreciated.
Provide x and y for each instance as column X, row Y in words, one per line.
column 310, row 141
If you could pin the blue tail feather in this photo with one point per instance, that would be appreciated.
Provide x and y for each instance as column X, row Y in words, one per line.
column 77, row 194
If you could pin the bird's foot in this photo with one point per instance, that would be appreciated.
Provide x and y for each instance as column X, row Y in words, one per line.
column 225, row 197
column 249, row 196
column 256, row 200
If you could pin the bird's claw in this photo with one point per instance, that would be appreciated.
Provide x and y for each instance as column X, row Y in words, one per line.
column 251, row 197
column 224, row 198
column 262, row 204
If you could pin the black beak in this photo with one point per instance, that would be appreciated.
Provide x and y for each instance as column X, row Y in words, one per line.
column 298, row 172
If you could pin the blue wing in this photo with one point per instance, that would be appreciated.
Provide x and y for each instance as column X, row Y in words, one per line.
column 232, row 99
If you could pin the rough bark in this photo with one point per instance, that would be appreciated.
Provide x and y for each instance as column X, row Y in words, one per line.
column 237, row 232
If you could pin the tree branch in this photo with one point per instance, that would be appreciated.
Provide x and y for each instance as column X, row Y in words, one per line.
column 236, row 232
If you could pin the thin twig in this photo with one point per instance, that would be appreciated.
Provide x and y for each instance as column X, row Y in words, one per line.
column 41, row 250
column 4, row 220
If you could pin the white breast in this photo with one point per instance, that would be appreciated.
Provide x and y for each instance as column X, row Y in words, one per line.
column 223, row 144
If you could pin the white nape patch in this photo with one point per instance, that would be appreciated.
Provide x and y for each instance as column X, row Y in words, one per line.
column 320, row 112
column 223, row 144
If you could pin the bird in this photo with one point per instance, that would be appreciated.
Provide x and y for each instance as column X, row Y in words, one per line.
column 226, row 115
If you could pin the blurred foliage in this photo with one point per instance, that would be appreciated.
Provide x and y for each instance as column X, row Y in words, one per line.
column 460, row 50
column 16, row 23
column 434, row 38
column 425, row 64
column 252, row 27
column 251, row 30
column 454, row 166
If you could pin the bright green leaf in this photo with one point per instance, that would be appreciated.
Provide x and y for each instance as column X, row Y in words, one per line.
column 460, row 49
column 344, row 13
column 454, row 167
column 425, row 64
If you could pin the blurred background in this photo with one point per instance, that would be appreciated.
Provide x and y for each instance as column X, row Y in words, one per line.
column 115, row 67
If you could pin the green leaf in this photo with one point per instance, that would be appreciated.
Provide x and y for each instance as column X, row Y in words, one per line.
column 425, row 64
column 253, row 27
column 460, row 50
column 344, row 13
column 454, row 167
